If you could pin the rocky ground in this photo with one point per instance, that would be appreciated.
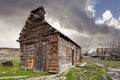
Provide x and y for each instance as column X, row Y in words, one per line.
column 114, row 73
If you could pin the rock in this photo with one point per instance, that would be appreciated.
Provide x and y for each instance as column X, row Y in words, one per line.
column 114, row 73
column 117, row 74
column 83, row 64
column 115, row 78
column 98, row 64
column 3, row 72
column 14, row 72
column 7, row 63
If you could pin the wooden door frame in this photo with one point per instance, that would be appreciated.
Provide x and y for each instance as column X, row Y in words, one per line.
column 41, row 52
column 28, row 58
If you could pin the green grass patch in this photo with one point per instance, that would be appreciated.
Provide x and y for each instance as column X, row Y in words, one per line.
column 107, row 63
column 91, row 71
column 87, row 73
column 16, row 71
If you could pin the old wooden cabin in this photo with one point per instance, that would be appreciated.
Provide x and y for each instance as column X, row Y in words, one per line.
column 43, row 48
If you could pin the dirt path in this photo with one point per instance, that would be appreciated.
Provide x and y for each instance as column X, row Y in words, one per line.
column 51, row 77
column 11, row 77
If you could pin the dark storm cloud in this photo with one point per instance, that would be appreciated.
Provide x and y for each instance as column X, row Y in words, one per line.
column 8, row 7
column 70, row 13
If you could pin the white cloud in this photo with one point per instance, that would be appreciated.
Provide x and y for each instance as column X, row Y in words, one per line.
column 2, row 24
column 114, row 22
column 9, row 35
column 68, row 32
column 90, row 11
column 107, row 15
column 99, row 21
column 90, row 8
column 108, row 19
column 72, row 20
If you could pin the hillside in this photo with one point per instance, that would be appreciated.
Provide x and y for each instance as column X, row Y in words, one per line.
column 9, row 54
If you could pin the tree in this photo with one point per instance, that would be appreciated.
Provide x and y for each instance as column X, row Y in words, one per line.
column 86, row 49
column 116, row 46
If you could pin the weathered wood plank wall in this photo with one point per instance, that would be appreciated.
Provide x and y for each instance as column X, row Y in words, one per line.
column 69, row 54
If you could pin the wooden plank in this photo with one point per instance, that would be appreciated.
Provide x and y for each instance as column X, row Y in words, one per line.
column 53, row 68
column 53, row 64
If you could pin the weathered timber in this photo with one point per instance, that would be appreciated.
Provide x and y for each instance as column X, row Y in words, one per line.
column 45, row 49
column 7, row 63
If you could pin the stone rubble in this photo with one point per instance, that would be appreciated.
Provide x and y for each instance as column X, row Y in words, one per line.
column 83, row 64
column 114, row 73
column 98, row 64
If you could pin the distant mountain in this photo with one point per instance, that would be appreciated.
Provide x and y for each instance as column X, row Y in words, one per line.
column 9, row 51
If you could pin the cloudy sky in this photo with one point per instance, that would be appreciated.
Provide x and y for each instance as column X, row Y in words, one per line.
column 87, row 22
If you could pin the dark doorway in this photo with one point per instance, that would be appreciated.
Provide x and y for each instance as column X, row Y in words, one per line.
column 72, row 57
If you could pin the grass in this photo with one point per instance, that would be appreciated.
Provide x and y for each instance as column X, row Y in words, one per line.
column 107, row 63
column 87, row 73
column 91, row 71
column 16, row 71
